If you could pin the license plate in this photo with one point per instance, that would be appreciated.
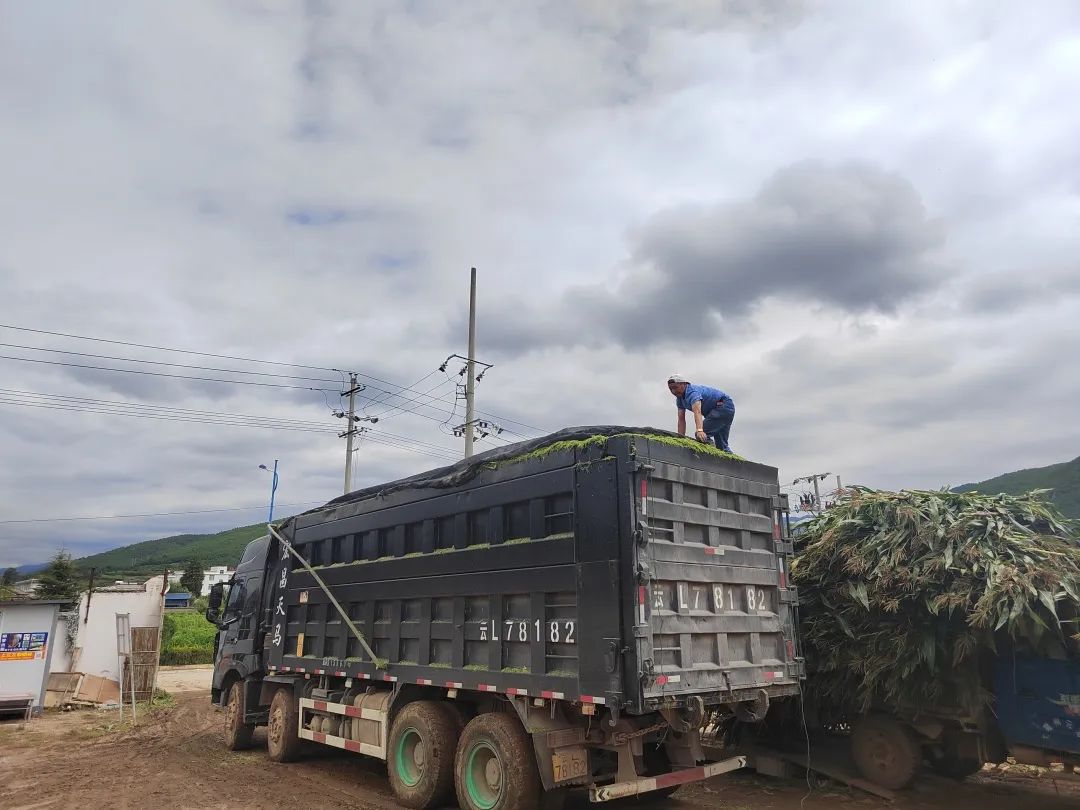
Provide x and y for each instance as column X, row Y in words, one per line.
column 572, row 764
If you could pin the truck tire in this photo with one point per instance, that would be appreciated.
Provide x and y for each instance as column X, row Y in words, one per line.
column 886, row 751
column 282, row 737
column 237, row 732
column 495, row 767
column 420, row 754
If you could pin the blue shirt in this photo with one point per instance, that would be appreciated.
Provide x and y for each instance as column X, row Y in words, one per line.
column 708, row 397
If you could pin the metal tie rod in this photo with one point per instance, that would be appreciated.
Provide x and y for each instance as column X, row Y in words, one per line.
column 337, row 605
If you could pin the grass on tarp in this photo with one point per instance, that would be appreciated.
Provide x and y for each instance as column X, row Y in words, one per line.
column 601, row 441
column 907, row 596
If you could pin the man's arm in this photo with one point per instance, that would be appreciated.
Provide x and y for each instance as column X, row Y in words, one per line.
column 682, row 422
column 699, row 423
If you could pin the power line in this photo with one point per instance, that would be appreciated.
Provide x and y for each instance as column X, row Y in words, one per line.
column 170, row 408
column 232, row 420
column 164, row 363
column 161, row 374
column 163, row 348
column 157, row 514
column 163, row 416
column 238, row 358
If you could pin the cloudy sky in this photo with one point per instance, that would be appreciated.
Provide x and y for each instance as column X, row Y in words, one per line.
column 859, row 219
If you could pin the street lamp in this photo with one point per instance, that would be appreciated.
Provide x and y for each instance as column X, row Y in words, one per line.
column 273, row 489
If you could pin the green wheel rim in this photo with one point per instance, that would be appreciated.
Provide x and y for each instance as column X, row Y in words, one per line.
column 409, row 757
column 484, row 776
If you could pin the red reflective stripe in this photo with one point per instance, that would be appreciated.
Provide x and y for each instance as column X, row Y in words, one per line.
column 340, row 674
column 320, row 704
column 641, row 595
column 790, row 648
column 661, row 680
column 318, row 736
column 352, row 745
column 352, row 711
column 679, row 777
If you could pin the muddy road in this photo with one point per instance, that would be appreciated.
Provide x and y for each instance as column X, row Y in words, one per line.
column 174, row 759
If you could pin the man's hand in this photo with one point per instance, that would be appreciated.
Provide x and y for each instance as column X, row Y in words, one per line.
column 702, row 436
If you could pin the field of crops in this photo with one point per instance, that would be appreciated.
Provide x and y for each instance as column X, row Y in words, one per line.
column 187, row 638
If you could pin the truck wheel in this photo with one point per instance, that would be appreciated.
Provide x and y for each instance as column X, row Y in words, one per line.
column 237, row 732
column 495, row 768
column 282, row 739
column 420, row 754
column 885, row 751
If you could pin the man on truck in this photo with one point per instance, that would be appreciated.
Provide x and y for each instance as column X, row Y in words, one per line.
column 713, row 410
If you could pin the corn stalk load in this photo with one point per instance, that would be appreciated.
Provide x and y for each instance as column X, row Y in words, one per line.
column 907, row 597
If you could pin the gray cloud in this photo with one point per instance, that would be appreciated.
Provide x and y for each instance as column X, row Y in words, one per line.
column 851, row 237
column 631, row 179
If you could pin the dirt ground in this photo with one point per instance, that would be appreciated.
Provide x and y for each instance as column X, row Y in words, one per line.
column 174, row 758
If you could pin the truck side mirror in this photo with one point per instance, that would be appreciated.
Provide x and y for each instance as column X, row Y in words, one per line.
column 213, row 609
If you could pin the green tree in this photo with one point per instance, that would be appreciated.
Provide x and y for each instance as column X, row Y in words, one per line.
column 60, row 580
column 192, row 578
column 9, row 576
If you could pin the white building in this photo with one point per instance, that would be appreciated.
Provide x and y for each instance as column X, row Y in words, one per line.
column 31, row 636
column 95, row 650
column 213, row 575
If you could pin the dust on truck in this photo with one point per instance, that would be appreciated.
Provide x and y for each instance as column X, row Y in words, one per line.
column 564, row 613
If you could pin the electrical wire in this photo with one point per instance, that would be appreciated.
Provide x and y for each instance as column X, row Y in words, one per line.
column 162, row 348
column 233, row 420
column 397, row 410
column 381, row 398
column 159, row 373
column 163, row 363
column 383, row 391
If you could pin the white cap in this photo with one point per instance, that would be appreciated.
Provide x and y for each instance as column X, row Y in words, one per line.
column 677, row 378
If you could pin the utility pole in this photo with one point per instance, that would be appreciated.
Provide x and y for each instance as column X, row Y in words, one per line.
column 470, row 374
column 817, row 492
column 350, row 429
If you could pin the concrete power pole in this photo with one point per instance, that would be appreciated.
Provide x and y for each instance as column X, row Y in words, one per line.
column 350, row 430
column 817, row 491
column 470, row 374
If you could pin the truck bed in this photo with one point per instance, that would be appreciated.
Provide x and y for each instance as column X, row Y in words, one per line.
column 600, row 565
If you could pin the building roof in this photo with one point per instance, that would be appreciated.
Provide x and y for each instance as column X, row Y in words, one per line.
column 177, row 595
column 35, row 602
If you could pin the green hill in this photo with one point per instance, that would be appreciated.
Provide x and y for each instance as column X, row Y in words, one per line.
column 1063, row 478
column 151, row 556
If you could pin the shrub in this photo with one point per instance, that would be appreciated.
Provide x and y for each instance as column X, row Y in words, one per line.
column 178, row 656
column 187, row 638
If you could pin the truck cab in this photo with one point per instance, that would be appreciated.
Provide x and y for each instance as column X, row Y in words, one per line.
column 239, row 617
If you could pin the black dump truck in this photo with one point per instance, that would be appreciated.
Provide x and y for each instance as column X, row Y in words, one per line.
column 569, row 612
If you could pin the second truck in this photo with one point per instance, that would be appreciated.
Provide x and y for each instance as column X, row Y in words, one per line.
column 570, row 612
